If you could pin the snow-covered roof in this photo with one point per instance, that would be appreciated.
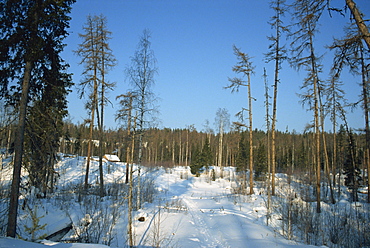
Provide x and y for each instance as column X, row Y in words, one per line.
column 111, row 158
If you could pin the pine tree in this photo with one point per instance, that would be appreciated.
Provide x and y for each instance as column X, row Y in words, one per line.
column 30, row 44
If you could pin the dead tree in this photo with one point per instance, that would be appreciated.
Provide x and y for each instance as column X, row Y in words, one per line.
column 244, row 67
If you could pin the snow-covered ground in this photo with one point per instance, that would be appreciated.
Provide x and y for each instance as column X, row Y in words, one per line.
column 186, row 211
column 204, row 213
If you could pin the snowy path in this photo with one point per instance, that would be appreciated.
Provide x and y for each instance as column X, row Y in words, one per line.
column 188, row 212
column 203, row 230
column 214, row 219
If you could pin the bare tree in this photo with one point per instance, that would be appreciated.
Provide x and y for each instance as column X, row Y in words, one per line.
column 106, row 62
column 244, row 66
column 363, row 29
column 88, row 51
column 307, row 13
column 97, row 58
column 140, row 75
column 277, row 54
column 125, row 113
column 268, row 131
column 351, row 52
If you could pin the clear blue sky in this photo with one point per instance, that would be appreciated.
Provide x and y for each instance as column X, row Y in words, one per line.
column 192, row 41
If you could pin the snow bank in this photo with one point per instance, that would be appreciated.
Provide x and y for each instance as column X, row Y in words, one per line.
column 11, row 243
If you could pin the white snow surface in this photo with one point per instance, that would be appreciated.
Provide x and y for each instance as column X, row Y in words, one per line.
column 206, row 214
column 187, row 212
column 10, row 242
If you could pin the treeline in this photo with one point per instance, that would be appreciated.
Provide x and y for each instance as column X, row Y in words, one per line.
column 170, row 147
column 294, row 151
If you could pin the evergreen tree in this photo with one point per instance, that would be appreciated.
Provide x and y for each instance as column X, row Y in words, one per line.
column 351, row 166
column 77, row 144
column 260, row 161
column 196, row 163
column 44, row 129
column 243, row 153
column 202, row 159
column 30, row 43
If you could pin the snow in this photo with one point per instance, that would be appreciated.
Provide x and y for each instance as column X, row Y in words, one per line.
column 209, row 216
column 186, row 212
column 10, row 242
column 111, row 157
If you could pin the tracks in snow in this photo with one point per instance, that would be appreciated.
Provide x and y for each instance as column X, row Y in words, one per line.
column 201, row 227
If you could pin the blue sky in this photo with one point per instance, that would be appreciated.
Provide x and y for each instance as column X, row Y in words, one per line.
column 192, row 41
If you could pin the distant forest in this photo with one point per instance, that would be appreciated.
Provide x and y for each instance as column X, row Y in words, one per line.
column 170, row 147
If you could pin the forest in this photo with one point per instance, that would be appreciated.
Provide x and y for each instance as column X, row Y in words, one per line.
column 305, row 181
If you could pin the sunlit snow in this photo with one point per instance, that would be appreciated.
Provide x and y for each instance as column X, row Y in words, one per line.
column 186, row 211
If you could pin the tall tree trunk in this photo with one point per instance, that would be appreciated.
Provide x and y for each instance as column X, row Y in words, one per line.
column 327, row 169
column 140, row 155
column 180, row 148
column 250, row 137
column 277, row 52
column 128, row 155
column 273, row 139
column 101, row 131
column 274, row 107
column 130, row 163
column 334, row 160
column 267, row 104
column 187, row 147
column 173, row 151
column 18, row 149
column 326, row 156
column 365, row 81
column 89, row 147
column 220, row 146
column 317, row 146
column 359, row 21
column 219, row 157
